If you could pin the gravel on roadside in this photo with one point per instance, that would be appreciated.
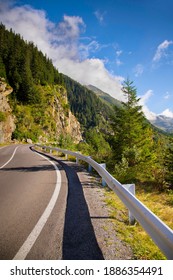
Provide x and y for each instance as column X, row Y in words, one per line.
column 112, row 247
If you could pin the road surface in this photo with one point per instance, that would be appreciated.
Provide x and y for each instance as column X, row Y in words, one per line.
column 43, row 212
column 28, row 182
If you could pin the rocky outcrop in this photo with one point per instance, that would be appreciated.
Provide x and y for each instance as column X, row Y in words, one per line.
column 57, row 119
column 7, row 124
column 66, row 122
column 73, row 128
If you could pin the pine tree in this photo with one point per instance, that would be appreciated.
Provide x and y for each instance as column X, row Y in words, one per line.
column 2, row 69
column 169, row 164
column 133, row 138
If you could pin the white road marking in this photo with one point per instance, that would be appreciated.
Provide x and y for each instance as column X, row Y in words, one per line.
column 27, row 245
column 10, row 158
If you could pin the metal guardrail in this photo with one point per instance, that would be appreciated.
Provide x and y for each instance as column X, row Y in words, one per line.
column 160, row 233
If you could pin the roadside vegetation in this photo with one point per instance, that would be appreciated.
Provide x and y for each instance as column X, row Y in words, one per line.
column 134, row 151
column 142, row 245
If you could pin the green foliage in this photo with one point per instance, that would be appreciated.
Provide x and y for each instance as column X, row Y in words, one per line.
column 65, row 141
column 99, row 147
column 140, row 242
column 85, row 105
column 168, row 162
column 2, row 69
column 39, row 120
column 25, row 125
column 2, row 116
column 85, row 148
column 132, row 142
column 24, row 66
column 132, row 149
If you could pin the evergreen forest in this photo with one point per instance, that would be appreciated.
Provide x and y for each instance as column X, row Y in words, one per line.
column 134, row 150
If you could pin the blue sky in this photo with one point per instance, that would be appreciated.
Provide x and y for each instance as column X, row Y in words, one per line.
column 102, row 42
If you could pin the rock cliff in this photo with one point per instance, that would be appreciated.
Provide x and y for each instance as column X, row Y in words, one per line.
column 52, row 122
column 66, row 122
column 7, row 120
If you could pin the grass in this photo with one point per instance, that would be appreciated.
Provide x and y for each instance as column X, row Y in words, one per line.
column 142, row 245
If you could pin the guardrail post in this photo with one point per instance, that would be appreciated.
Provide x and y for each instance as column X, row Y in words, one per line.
column 66, row 156
column 77, row 160
column 161, row 234
column 131, row 188
column 89, row 166
column 103, row 165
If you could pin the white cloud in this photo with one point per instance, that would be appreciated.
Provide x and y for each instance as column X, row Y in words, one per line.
column 167, row 95
column 161, row 50
column 149, row 114
column 99, row 16
column 145, row 97
column 93, row 71
column 143, row 100
column 167, row 113
column 138, row 70
column 118, row 61
column 62, row 43
column 118, row 53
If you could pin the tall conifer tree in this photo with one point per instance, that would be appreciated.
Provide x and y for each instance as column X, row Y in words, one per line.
column 133, row 137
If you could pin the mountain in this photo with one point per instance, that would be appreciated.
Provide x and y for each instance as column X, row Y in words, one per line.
column 45, row 104
column 7, row 121
column 164, row 123
column 86, row 105
column 109, row 100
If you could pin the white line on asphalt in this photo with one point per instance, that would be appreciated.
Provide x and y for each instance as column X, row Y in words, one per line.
column 27, row 245
column 10, row 158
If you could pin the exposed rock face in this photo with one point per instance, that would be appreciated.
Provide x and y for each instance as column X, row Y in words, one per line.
column 73, row 128
column 7, row 125
column 63, row 122
column 66, row 122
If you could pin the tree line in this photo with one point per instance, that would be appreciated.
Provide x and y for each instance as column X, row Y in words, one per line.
column 121, row 135
column 25, row 67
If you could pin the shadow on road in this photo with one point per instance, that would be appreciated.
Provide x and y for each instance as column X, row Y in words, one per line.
column 79, row 242
column 30, row 169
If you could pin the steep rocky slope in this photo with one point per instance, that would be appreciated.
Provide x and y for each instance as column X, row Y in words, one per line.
column 46, row 121
column 7, row 120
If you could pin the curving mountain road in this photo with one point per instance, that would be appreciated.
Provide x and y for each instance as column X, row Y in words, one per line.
column 31, row 195
column 43, row 212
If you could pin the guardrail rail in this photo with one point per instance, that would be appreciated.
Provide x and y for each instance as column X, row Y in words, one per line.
column 160, row 233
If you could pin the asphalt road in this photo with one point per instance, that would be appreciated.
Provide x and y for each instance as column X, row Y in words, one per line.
column 43, row 211
column 32, row 204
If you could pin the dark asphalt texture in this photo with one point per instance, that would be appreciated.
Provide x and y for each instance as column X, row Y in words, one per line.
column 27, row 183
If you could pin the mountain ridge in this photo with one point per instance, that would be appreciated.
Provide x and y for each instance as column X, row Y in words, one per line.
column 40, row 93
column 106, row 97
column 161, row 122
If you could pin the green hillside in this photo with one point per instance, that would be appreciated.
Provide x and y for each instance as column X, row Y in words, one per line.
column 105, row 97
column 86, row 106
column 26, row 69
column 43, row 101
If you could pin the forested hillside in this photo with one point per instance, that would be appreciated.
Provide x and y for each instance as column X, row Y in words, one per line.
column 25, row 67
column 86, row 106
column 43, row 99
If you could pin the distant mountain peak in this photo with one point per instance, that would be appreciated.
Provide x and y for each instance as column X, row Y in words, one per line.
column 104, row 96
column 163, row 122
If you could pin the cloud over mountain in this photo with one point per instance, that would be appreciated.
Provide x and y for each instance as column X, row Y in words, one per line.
column 63, row 43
